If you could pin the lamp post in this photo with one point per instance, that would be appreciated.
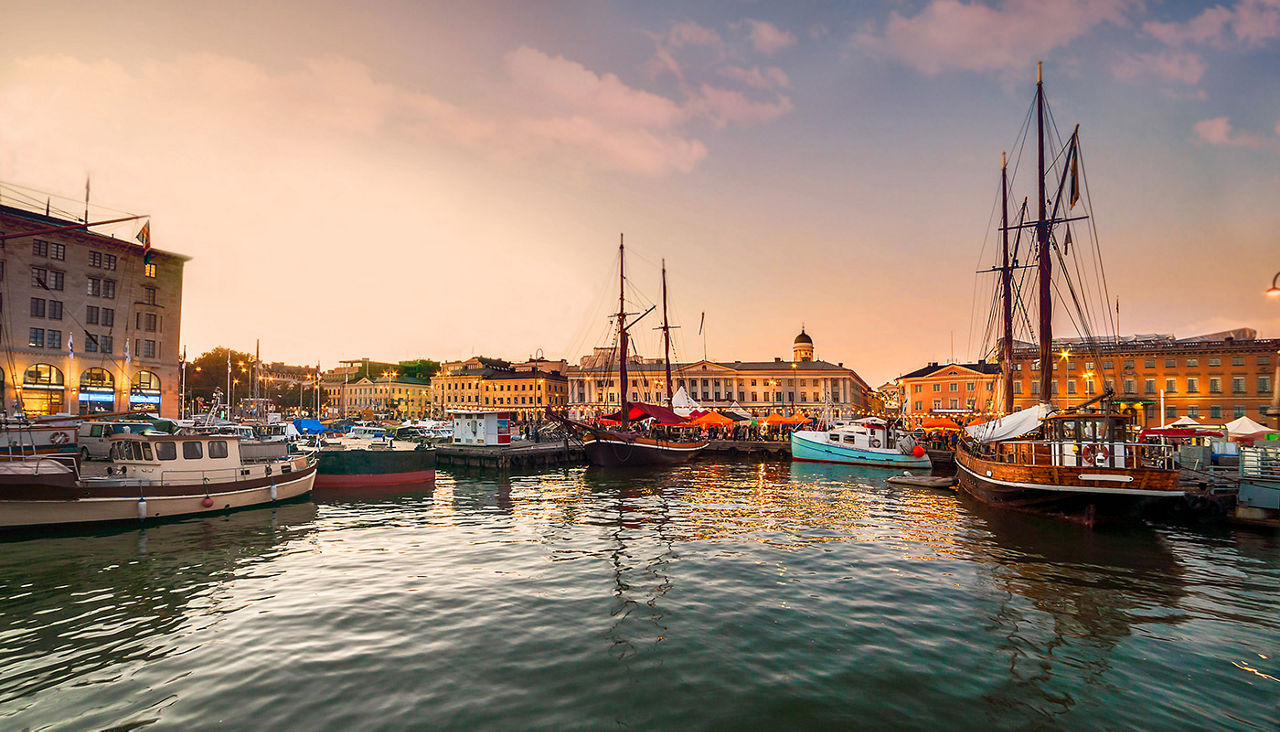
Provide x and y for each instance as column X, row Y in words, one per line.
column 1275, row 286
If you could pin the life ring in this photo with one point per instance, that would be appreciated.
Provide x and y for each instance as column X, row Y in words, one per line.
column 875, row 442
column 1086, row 453
column 59, row 438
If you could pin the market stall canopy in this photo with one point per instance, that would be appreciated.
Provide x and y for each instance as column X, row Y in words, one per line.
column 736, row 411
column 1245, row 427
column 712, row 419
column 640, row 410
column 1010, row 426
column 940, row 423
column 1182, row 422
column 682, row 403
column 774, row 418
column 795, row 419
column 1179, row 432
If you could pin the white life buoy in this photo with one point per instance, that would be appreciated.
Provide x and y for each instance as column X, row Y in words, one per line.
column 59, row 438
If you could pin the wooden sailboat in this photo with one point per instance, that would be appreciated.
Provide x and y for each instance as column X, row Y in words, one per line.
column 623, row 446
column 1078, row 463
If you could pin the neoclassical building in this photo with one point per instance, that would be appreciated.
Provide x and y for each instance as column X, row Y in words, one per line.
column 802, row 384
column 89, row 326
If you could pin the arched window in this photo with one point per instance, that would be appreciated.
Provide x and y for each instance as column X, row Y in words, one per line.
column 42, row 389
column 96, row 378
column 97, row 391
column 148, row 382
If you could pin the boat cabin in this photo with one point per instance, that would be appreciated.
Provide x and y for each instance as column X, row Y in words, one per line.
column 1094, row 440
column 190, row 459
column 869, row 433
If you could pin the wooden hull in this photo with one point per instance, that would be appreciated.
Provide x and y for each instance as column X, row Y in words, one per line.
column 22, row 505
column 1077, row 493
column 613, row 452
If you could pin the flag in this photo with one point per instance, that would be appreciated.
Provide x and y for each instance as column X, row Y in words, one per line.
column 1066, row 243
column 144, row 236
column 701, row 322
column 1075, row 180
column 71, row 348
column 127, row 358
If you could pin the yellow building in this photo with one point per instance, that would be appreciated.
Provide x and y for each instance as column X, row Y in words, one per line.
column 802, row 384
column 526, row 390
column 399, row 397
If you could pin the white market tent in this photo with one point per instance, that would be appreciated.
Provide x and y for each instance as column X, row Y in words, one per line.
column 1183, row 422
column 683, row 404
column 1245, row 427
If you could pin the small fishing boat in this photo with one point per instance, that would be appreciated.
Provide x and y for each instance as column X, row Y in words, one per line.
column 867, row 441
column 151, row 476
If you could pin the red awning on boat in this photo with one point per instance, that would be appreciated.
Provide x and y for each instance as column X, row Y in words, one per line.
column 1177, row 432
column 640, row 410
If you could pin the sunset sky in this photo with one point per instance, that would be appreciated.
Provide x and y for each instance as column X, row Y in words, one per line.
column 409, row 179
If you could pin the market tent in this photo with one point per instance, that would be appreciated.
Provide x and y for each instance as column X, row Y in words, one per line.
column 1183, row 421
column 940, row 423
column 736, row 411
column 796, row 418
column 774, row 418
column 1245, row 427
column 712, row 419
column 308, row 426
column 682, row 403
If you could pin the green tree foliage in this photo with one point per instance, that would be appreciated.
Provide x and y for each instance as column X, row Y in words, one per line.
column 421, row 368
column 208, row 371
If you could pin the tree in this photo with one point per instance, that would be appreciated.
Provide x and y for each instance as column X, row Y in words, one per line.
column 421, row 368
column 208, row 371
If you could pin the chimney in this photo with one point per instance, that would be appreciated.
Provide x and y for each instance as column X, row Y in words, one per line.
column 777, row 359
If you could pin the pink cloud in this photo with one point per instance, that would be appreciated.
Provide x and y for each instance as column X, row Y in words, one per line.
column 689, row 33
column 1218, row 132
column 766, row 37
column 723, row 107
column 628, row 150
column 1178, row 66
column 950, row 34
column 768, row 78
column 569, row 84
column 1251, row 22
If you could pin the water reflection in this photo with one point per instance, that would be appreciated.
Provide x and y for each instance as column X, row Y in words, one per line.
column 1071, row 595
column 74, row 605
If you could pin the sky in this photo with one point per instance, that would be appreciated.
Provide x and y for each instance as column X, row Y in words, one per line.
column 418, row 179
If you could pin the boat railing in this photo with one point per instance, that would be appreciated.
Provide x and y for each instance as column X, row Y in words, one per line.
column 1260, row 463
column 200, row 476
column 1081, row 454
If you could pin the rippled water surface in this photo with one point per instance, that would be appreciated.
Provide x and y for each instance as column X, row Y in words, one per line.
column 711, row 595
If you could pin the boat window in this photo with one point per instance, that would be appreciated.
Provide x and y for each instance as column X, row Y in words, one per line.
column 217, row 448
column 1068, row 429
column 131, row 450
column 192, row 450
column 835, row 438
column 848, row 438
column 166, row 451
column 146, row 450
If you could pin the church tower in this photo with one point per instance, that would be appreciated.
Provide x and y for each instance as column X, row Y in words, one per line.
column 803, row 348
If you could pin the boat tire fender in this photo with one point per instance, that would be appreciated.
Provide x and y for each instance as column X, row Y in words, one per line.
column 875, row 442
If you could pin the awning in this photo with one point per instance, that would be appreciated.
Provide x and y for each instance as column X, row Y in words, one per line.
column 640, row 410
column 712, row 419
column 1179, row 432
column 940, row 423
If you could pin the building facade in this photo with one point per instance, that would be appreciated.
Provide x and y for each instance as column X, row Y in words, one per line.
column 802, row 384
column 1213, row 378
column 962, row 390
column 401, row 397
column 89, row 325
column 525, row 389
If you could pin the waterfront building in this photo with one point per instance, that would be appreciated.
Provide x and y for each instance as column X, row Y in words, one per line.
column 90, row 327
column 803, row 384
column 401, row 397
column 334, row 380
column 1211, row 378
column 953, row 389
column 525, row 389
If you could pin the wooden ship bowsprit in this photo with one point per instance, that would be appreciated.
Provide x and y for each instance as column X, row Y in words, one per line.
column 623, row 446
column 1081, row 463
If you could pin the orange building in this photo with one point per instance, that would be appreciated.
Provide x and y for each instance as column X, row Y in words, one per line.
column 1213, row 378
column 952, row 389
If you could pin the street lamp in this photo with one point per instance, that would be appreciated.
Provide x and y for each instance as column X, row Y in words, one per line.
column 1275, row 288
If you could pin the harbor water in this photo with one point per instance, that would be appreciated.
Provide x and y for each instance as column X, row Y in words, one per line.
column 713, row 595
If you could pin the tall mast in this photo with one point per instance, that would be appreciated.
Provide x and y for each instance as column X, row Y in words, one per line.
column 1006, row 291
column 1042, row 241
column 622, row 330
column 666, row 332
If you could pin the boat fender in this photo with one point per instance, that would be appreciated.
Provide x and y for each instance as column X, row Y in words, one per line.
column 111, row 470
column 124, row 469
column 268, row 470
column 918, row 451
column 207, row 502
column 142, row 509
column 875, row 442
column 273, row 491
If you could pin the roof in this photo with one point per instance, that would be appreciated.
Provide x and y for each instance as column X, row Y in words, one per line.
column 803, row 338
column 530, row 374
column 36, row 217
column 982, row 367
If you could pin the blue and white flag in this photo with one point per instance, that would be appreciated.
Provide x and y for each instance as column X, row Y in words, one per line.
column 127, row 358
column 71, row 348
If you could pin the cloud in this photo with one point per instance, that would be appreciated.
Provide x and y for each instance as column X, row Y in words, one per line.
column 723, row 107
column 1177, row 66
column 1218, row 132
column 571, row 86
column 766, row 37
column 769, row 78
column 953, row 35
column 1250, row 22
column 629, row 150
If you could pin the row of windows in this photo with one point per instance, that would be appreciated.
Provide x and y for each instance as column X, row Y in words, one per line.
column 55, row 281
column 48, row 249
column 41, row 308
column 1215, row 411
column 100, row 260
column 1150, row 363
column 953, row 404
column 52, row 338
column 955, row 386
column 1238, row 386
column 43, row 374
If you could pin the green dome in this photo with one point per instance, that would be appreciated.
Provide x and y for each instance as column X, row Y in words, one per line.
column 804, row 338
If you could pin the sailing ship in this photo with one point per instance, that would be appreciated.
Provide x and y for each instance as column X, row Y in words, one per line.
column 1077, row 463
column 621, row 447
